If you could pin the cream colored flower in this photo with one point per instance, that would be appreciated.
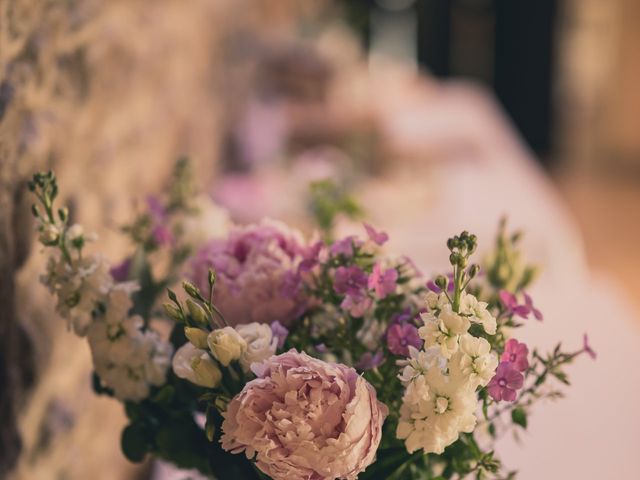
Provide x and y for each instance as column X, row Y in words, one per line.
column 226, row 345
column 197, row 366
column 474, row 361
column 261, row 344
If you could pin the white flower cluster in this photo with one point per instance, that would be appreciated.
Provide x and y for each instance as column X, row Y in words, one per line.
column 127, row 358
column 440, row 381
column 248, row 343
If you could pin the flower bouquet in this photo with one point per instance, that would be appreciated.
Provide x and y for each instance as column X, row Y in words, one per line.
column 291, row 359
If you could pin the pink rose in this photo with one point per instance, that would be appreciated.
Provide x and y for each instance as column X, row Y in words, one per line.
column 305, row 419
column 257, row 273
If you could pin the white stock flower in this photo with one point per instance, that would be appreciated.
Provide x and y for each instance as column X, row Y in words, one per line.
column 478, row 312
column 474, row 361
column 435, row 301
column 443, row 330
column 260, row 343
column 210, row 221
column 226, row 345
column 435, row 420
column 79, row 287
column 196, row 366
column 49, row 233
column 419, row 362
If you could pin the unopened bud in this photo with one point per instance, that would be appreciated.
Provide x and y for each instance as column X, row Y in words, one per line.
column 221, row 403
column 210, row 430
column 192, row 291
column 441, row 282
column 212, row 277
column 474, row 270
column 172, row 312
column 172, row 295
column 197, row 313
column 63, row 214
column 197, row 337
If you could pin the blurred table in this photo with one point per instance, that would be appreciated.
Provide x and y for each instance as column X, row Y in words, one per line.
column 456, row 163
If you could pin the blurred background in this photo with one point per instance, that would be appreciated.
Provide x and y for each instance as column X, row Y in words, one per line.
column 437, row 115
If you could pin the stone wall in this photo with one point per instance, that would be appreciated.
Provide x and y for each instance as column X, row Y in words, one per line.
column 108, row 93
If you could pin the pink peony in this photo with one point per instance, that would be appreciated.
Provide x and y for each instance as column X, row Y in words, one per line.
column 257, row 273
column 305, row 419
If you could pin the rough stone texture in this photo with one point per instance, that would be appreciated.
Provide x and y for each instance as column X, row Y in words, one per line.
column 108, row 93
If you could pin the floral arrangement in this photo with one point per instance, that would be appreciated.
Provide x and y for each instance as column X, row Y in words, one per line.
column 291, row 359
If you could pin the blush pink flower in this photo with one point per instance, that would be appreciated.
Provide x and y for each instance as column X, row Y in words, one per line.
column 587, row 348
column 510, row 302
column 505, row 383
column 516, row 354
column 356, row 305
column 383, row 282
column 401, row 336
column 305, row 419
column 344, row 246
column 257, row 273
column 379, row 238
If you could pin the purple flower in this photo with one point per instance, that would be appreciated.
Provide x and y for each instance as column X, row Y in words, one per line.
column 310, row 257
column 401, row 336
column 383, row 282
column 587, row 348
column 505, row 383
column 511, row 304
column 356, row 305
column 401, row 317
column 254, row 265
column 321, row 348
column 162, row 235
column 120, row 272
column 344, row 246
column 529, row 304
column 350, row 280
column 291, row 284
column 156, row 209
column 379, row 238
column 516, row 354
column 369, row 361
column 280, row 332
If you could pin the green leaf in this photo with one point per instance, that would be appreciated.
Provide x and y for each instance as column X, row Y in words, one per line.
column 164, row 395
column 388, row 461
column 133, row 443
column 519, row 417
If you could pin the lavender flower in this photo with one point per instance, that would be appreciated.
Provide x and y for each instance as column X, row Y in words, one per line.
column 343, row 246
column 379, row 238
column 505, row 383
column 369, row 361
column 587, row 348
column 280, row 332
column 120, row 272
column 401, row 336
column 350, row 280
column 510, row 302
column 383, row 282
column 516, row 354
